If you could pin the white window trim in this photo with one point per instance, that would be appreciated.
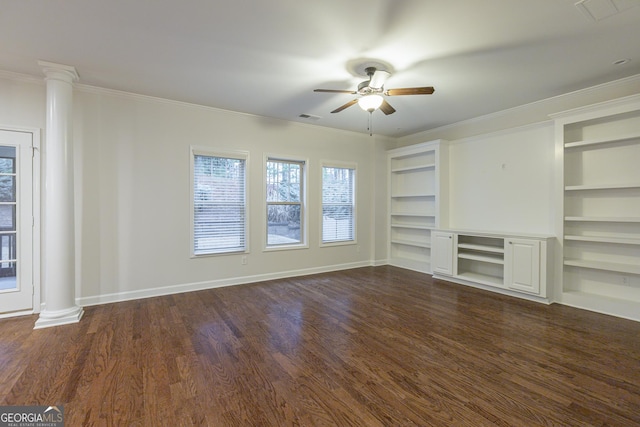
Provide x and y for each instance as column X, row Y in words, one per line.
column 346, row 165
column 195, row 150
column 305, row 207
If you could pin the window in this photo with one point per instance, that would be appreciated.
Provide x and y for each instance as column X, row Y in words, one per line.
column 285, row 196
column 338, row 204
column 219, row 203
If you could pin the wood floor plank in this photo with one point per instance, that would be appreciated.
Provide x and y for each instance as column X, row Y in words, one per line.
column 376, row 346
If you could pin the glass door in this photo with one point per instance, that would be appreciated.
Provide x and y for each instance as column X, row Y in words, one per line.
column 16, row 222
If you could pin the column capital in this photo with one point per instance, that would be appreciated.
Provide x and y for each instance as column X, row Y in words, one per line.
column 65, row 73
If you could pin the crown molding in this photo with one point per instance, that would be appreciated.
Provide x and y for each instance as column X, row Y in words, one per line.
column 19, row 77
column 533, row 112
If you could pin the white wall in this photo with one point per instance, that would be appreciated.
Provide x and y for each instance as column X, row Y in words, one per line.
column 133, row 187
column 22, row 101
column 504, row 181
column 133, row 194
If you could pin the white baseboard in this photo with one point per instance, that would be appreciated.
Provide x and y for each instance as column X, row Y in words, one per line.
column 16, row 314
column 210, row 284
column 521, row 295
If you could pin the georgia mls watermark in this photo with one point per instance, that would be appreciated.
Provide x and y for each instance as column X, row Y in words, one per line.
column 31, row 416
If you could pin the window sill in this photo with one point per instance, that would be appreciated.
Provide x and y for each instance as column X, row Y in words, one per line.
column 339, row 243
column 217, row 254
column 285, row 248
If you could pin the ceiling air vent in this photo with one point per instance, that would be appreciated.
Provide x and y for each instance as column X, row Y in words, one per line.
column 597, row 10
column 309, row 116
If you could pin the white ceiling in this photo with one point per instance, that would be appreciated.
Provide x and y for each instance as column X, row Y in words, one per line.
column 266, row 57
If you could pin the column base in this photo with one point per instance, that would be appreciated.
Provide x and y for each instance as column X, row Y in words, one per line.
column 59, row 317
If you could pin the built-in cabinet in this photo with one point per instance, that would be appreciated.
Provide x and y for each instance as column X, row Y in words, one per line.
column 513, row 264
column 442, row 256
column 522, row 265
column 598, row 153
column 416, row 188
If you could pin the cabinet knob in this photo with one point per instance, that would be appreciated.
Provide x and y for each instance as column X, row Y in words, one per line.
column 510, row 242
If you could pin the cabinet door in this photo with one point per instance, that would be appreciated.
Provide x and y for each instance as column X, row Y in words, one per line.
column 442, row 253
column 522, row 265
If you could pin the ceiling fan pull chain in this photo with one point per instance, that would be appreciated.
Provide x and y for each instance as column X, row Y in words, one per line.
column 371, row 123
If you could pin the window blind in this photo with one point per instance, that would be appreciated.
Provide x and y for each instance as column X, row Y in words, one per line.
column 338, row 204
column 219, row 204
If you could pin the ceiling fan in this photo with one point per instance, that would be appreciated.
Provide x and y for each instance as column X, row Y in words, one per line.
column 371, row 92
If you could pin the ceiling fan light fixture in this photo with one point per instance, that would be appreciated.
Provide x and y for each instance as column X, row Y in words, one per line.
column 370, row 103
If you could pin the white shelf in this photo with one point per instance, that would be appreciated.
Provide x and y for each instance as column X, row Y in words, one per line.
column 410, row 243
column 607, row 266
column 603, row 239
column 413, row 227
column 622, row 307
column 601, row 141
column 482, row 258
column 411, row 196
column 418, row 215
column 602, row 219
column 602, row 187
column 413, row 168
column 484, row 279
column 483, row 248
column 423, row 266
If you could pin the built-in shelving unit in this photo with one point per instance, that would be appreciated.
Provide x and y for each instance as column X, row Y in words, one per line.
column 511, row 264
column 599, row 163
column 415, row 181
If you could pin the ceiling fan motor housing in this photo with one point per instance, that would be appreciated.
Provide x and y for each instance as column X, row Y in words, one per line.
column 365, row 89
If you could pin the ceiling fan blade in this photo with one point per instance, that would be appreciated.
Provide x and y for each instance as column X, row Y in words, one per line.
column 378, row 79
column 335, row 91
column 410, row 91
column 386, row 108
column 347, row 105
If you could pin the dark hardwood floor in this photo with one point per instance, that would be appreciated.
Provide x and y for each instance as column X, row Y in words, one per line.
column 366, row 347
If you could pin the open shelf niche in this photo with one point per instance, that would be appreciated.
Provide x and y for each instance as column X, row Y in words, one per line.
column 481, row 259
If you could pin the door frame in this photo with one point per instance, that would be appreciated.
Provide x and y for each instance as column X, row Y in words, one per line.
column 36, row 135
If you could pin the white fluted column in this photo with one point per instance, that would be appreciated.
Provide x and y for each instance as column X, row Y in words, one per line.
column 58, row 243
